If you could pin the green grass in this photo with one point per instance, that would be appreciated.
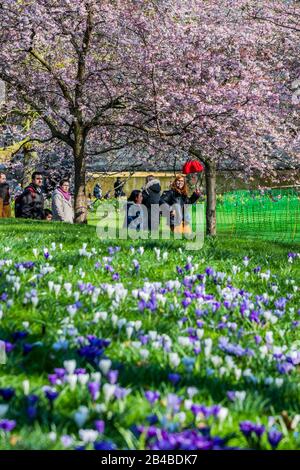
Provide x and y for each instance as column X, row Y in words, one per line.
column 50, row 318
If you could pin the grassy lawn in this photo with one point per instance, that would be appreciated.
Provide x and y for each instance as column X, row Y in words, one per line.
column 189, row 326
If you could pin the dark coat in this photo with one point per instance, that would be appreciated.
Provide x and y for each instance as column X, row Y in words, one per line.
column 176, row 202
column 151, row 195
column 4, row 193
column 118, row 187
column 31, row 203
column 5, row 210
column 134, row 216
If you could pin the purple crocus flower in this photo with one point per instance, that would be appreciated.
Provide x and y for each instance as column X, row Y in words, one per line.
column 231, row 395
column 100, row 426
column 186, row 302
column 209, row 271
column 259, row 429
column 51, row 394
column 32, row 406
column 7, row 393
column 27, row 348
column 246, row 428
column 152, row 396
column 8, row 346
column 257, row 339
column 112, row 376
column 104, row 445
column 285, row 367
column 7, row 425
column 19, row 335
column 116, row 277
column 93, row 388
column 174, row 378
column 274, row 437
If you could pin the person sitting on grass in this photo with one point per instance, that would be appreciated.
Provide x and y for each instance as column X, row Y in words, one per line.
column 134, row 214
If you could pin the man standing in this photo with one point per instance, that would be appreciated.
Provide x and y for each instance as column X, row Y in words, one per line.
column 118, row 187
column 151, row 197
column 30, row 204
column 5, row 210
column 97, row 192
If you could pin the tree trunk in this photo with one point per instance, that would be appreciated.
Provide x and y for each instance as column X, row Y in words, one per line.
column 30, row 161
column 80, row 202
column 211, row 196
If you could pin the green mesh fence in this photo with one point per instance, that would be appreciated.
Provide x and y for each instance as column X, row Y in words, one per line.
column 273, row 214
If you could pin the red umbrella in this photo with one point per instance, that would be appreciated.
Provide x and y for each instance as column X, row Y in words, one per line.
column 192, row 166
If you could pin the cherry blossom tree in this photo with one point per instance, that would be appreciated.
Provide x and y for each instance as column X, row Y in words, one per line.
column 61, row 58
column 213, row 83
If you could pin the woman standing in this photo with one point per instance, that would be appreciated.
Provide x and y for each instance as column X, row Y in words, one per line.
column 62, row 206
column 176, row 198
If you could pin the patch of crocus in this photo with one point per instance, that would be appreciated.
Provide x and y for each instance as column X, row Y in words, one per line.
column 19, row 335
column 274, row 437
column 248, row 428
column 32, row 401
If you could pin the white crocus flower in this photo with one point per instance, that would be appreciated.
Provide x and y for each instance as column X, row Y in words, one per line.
column 105, row 365
column 88, row 435
column 144, row 353
column 174, row 359
column 83, row 379
column 81, row 415
column 70, row 366
column 50, row 285
column 72, row 381
column 108, row 391
column 26, row 387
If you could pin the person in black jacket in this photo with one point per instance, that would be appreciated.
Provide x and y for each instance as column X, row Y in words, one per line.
column 151, row 196
column 118, row 187
column 30, row 204
column 176, row 199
